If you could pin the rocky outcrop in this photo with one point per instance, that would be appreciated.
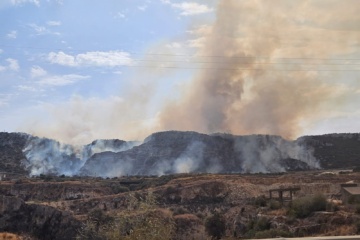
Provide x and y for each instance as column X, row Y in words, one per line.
column 40, row 221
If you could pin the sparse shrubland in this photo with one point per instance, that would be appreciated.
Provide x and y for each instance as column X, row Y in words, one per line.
column 215, row 226
column 303, row 207
column 142, row 218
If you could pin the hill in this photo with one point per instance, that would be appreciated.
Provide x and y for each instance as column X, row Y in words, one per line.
column 178, row 152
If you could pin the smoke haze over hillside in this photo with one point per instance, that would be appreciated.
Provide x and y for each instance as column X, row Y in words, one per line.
column 169, row 153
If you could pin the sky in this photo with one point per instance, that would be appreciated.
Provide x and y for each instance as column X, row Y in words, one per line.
column 78, row 70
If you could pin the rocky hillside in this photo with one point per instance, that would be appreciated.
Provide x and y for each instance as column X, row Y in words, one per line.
column 178, row 152
column 335, row 150
column 11, row 154
column 191, row 152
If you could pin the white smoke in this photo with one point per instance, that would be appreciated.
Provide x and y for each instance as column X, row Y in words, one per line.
column 46, row 156
column 262, row 153
column 191, row 159
column 168, row 153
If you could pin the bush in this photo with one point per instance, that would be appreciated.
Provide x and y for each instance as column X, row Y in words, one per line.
column 119, row 189
column 180, row 211
column 98, row 217
column 303, row 207
column 260, row 201
column 273, row 233
column 274, row 205
column 215, row 226
column 259, row 224
column 140, row 221
column 357, row 226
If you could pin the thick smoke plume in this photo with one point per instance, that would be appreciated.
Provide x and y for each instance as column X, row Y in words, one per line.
column 250, row 88
column 265, row 71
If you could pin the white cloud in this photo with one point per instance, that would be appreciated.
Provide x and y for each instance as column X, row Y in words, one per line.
column 201, row 32
column 38, row 29
column 21, row 2
column 62, row 80
column 27, row 88
column 100, row 59
column 174, row 45
column 46, row 79
column 41, row 30
column 197, row 42
column 62, row 58
column 189, row 8
column 13, row 65
column 37, row 71
column 12, row 34
column 142, row 8
column 53, row 23
column 119, row 15
column 4, row 99
column 3, row 102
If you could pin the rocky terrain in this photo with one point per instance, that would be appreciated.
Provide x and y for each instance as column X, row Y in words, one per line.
column 50, row 207
column 178, row 185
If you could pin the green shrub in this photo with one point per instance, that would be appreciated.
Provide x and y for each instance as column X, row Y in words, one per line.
column 98, row 217
column 303, row 207
column 179, row 211
column 357, row 225
column 261, row 224
column 274, row 205
column 273, row 233
column 215, row 226
column 257, row 225
column 119, row 189
column 140, row 221
column 260, row 201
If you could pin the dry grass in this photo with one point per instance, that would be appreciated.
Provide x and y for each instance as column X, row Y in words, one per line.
column 342, row 230
column 278, row 212
column 9, row 236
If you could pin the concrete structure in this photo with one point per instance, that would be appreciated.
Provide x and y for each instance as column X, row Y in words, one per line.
column 283, row 194
column 350, row 195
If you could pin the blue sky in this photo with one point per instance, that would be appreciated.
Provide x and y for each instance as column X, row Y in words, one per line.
column 78, row 70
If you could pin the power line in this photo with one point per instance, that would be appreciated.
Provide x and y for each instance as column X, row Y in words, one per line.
column 190, row 56
column 251, row 69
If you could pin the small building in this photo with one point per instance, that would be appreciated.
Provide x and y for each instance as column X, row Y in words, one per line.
column 350, row 195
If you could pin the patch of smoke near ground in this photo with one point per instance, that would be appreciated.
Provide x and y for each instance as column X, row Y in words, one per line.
column 47, row 156
column 169, row 153
column 262, row 153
